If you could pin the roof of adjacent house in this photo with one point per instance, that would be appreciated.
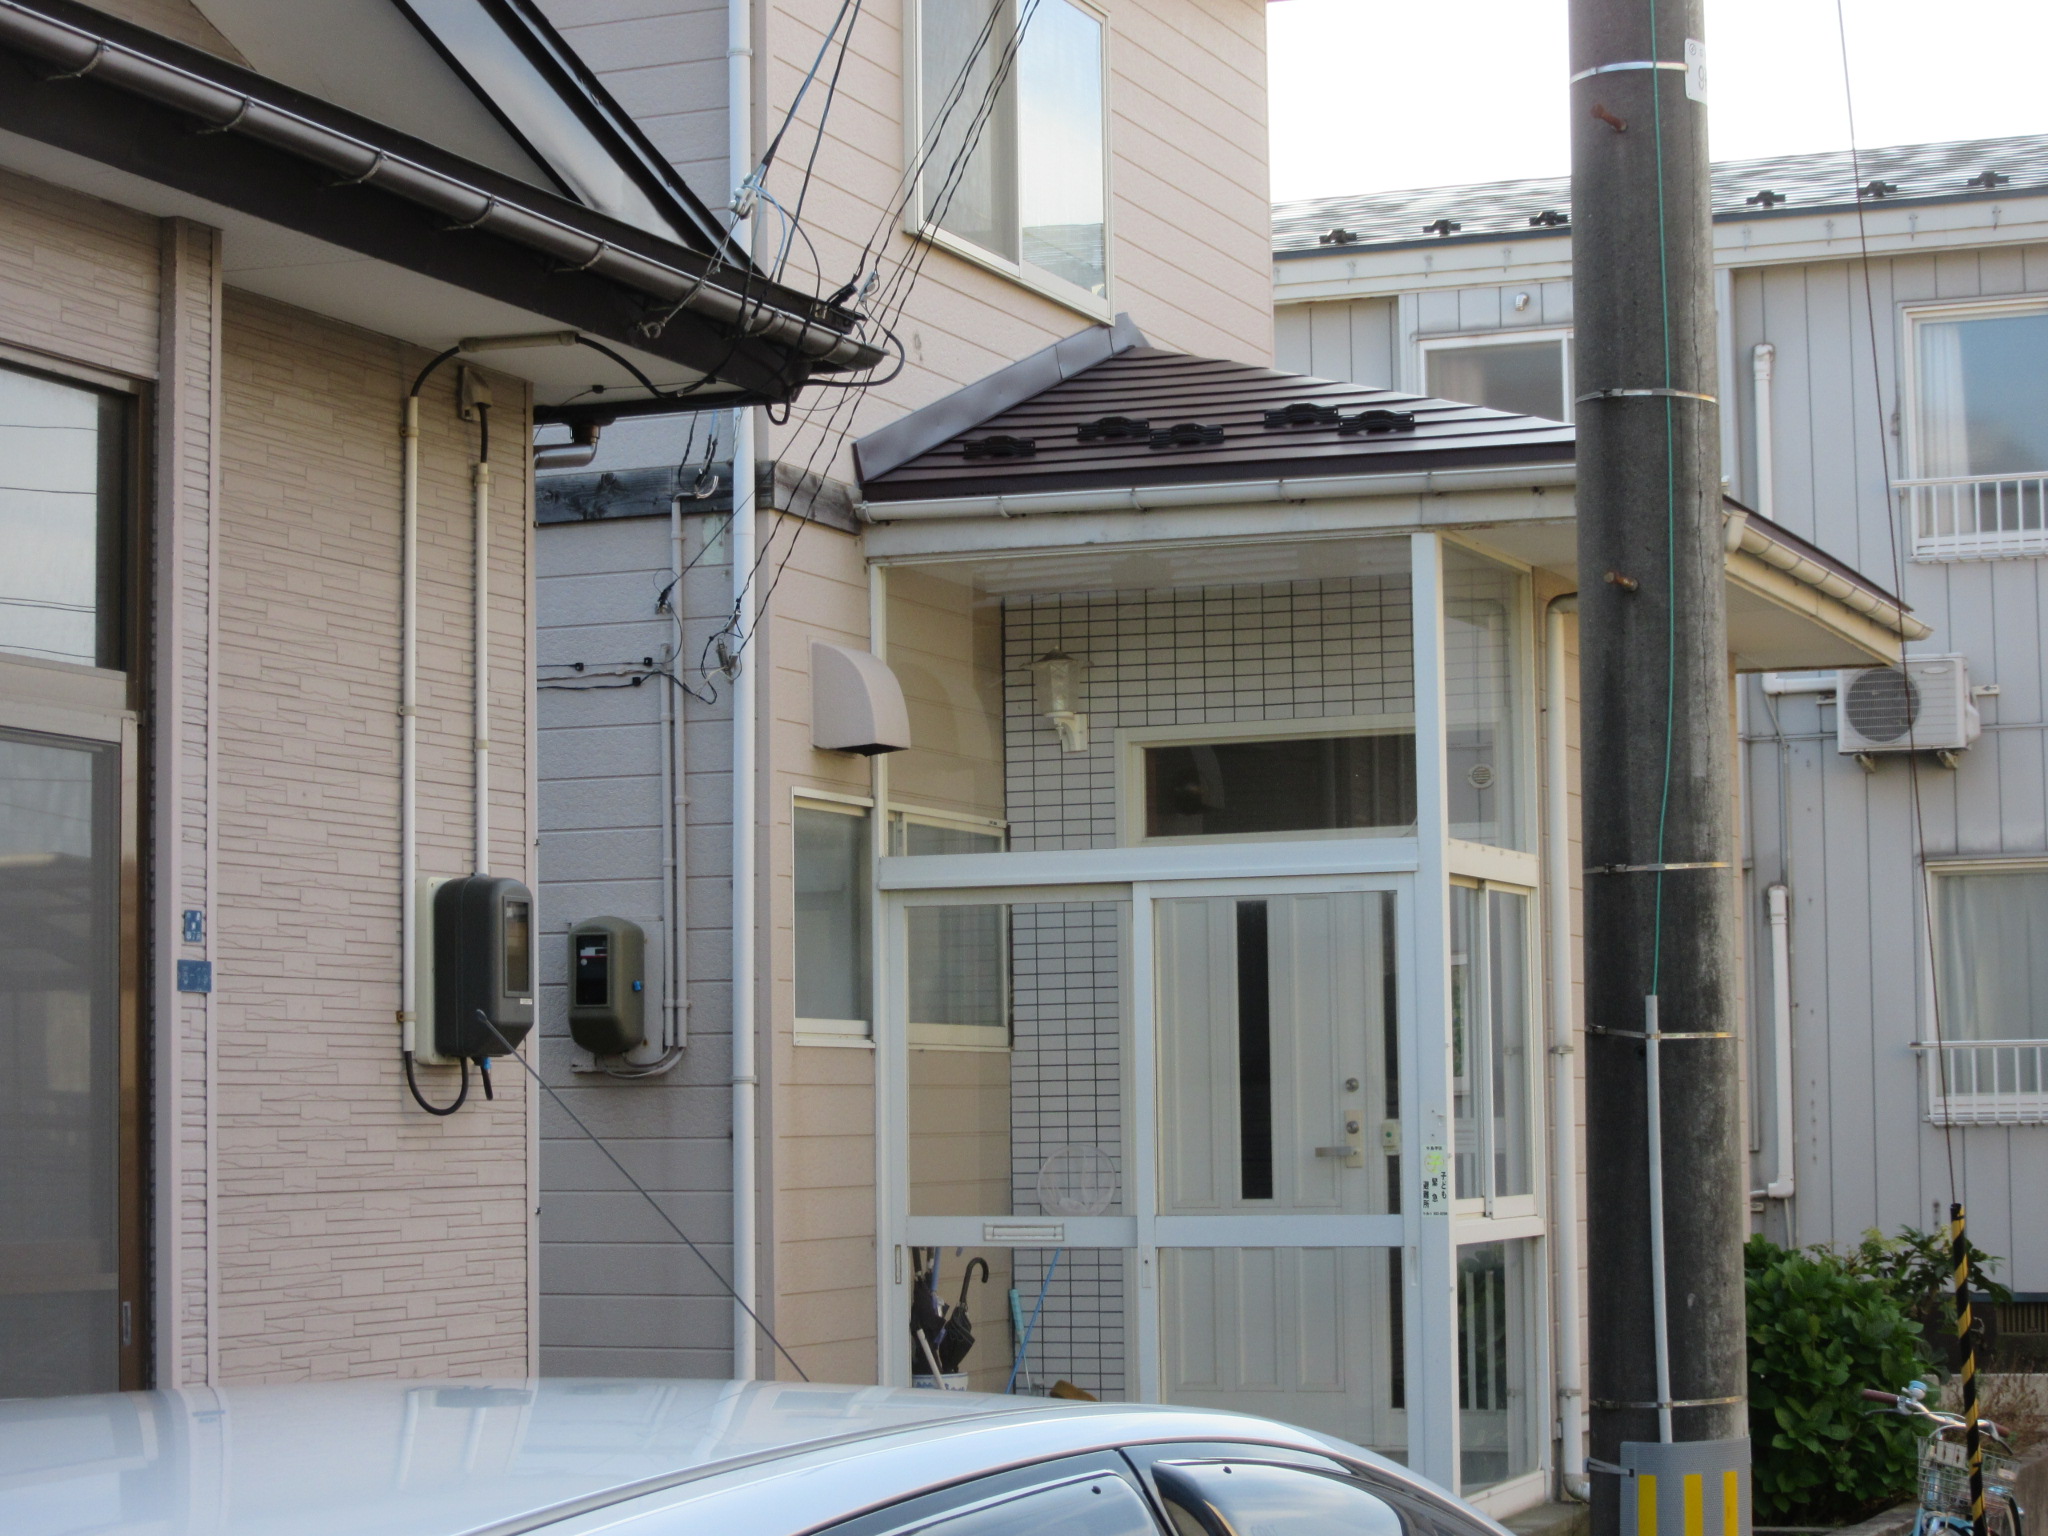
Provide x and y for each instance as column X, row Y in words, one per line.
column 1777, row 186
column 1144, row 416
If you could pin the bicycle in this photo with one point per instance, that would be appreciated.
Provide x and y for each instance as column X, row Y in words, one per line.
column 1944, row 1468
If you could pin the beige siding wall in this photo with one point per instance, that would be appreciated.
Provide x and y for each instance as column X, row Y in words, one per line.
column 309, row 1221
column 818, row 1115
column 357, row 1235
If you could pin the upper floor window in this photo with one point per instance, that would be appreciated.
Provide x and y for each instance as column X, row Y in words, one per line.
column 1011, row 127
column 1509, row 372
column 63, row 518
column 1991, row 952
column 1980, row 393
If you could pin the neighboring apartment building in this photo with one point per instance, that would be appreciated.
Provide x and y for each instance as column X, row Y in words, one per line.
column 266, row 652
column 1884, row 385
column 1161, row 776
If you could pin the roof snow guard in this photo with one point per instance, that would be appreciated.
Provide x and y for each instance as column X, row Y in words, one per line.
column 183, row 118
column 1145, row 427
column 1778, row 186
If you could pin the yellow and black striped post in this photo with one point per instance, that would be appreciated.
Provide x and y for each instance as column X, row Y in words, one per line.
column 1959, row 1256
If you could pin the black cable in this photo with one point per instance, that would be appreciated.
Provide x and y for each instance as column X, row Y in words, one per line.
column 439, row 358
column 626, row 363
column 577, row 1120
column 483, row 1067
column 824, row 116
column 483, row 433
column 413, row 1083
column 760, row 171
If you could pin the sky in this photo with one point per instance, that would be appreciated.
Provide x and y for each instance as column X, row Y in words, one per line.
column 1374, row 95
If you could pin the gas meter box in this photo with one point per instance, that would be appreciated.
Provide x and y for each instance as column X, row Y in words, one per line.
column 607, row 985
column 477, row 959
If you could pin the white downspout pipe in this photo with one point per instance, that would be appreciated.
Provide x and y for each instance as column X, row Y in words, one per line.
column 1761, row 358
column 1780, row 1187
column 740, row 544
column 408, row 715
column 480, row 721
column 1564, row 1156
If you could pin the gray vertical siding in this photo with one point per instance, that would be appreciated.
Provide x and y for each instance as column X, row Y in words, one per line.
column 1860, row 964
column 619, row 1294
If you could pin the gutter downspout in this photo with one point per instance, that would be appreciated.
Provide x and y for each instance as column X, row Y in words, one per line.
column 408, row 715
column 1780, row 905
column 740, row 541
column 1564, row 1156
column 480, row 711
column 1762, row 357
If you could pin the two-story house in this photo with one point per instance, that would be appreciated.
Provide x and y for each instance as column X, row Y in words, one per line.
column 282, row 287
column 1098, row 832
column 1884, row 368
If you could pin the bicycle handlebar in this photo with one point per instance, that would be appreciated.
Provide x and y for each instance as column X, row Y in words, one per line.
column 1871, row 1394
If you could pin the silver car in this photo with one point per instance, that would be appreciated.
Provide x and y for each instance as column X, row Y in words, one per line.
column 682, row 1458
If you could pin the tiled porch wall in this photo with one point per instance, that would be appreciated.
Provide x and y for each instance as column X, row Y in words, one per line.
column 1299, row 650
column 1284, row 651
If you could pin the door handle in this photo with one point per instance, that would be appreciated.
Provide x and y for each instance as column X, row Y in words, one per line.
column 1344, row 1151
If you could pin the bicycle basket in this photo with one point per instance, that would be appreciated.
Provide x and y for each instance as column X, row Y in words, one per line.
column 1945, row 1474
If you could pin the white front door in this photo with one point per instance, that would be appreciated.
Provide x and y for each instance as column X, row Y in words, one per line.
column 1279, row 1098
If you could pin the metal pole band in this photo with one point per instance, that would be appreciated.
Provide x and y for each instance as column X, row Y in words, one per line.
column 1618, row 394
column 1676, row 1402
column 1609, row 69
column 1652, row 869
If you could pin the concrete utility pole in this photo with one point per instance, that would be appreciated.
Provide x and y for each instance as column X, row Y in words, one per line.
column 1666, row 1198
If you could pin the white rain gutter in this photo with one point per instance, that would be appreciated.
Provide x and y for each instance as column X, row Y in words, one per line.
column 1762, row 357
column 740, row 538
column 1149, row 498
column 1564, row 1126
column 1780, row 907
column 1744, row 535
column 81, row 53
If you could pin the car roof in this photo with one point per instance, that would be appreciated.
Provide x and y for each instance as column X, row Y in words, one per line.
column 449, row 1458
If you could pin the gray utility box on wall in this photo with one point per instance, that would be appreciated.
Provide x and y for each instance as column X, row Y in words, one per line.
column 475, row 957
column 607, row 985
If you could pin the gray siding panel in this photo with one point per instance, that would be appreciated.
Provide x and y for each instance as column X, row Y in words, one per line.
column 1861, row 964
column 620, row 1295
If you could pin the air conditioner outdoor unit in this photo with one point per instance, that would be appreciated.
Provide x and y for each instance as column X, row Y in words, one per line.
column 1927, row 707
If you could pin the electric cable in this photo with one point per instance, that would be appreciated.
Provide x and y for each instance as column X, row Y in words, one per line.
column 412, row 1083
column 1919, row 843
column 638, row 1188
column 824, row 116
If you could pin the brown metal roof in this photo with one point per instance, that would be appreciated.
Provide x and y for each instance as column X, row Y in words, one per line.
column 1170, row 389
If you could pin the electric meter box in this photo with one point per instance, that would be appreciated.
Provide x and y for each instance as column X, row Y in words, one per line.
column 608, row 985
column 475, row 956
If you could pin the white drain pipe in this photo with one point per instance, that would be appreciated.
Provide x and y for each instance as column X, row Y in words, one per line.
column 740, row 545
column 1762, row 358
column 1564, row 1155
column 408, row 716
column 1780, row 1187
column 480, row 714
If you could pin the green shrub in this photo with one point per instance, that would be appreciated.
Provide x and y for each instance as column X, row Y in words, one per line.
column 1916, row 1268
column 1820, row 1331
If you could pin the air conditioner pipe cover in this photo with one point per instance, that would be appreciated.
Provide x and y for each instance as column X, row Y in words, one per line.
column 856, row 703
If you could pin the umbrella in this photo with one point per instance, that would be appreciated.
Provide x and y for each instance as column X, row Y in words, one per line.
column 956, row 1335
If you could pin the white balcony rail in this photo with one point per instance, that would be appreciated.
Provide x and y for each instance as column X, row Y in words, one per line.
column 1976, row 517
column 1986, row 1082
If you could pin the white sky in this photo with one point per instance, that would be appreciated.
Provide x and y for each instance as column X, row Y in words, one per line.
column 1372, row 95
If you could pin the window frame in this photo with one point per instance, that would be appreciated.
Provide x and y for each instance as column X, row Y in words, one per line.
column 915, row 225
column 857, row 1034
column 1456, row 341
column 1132, row 742
column 102, row 705
column 1914, row 315
column 1471, row 1212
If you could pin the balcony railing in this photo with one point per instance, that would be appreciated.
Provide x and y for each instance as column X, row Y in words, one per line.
column 1976, row 517
column 1986, row 1082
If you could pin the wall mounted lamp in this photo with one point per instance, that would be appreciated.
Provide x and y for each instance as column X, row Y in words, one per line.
column 1059, row 683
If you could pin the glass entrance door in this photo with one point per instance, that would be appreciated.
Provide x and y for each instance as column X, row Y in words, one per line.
column 1280, row 1115
column 61, row 1080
